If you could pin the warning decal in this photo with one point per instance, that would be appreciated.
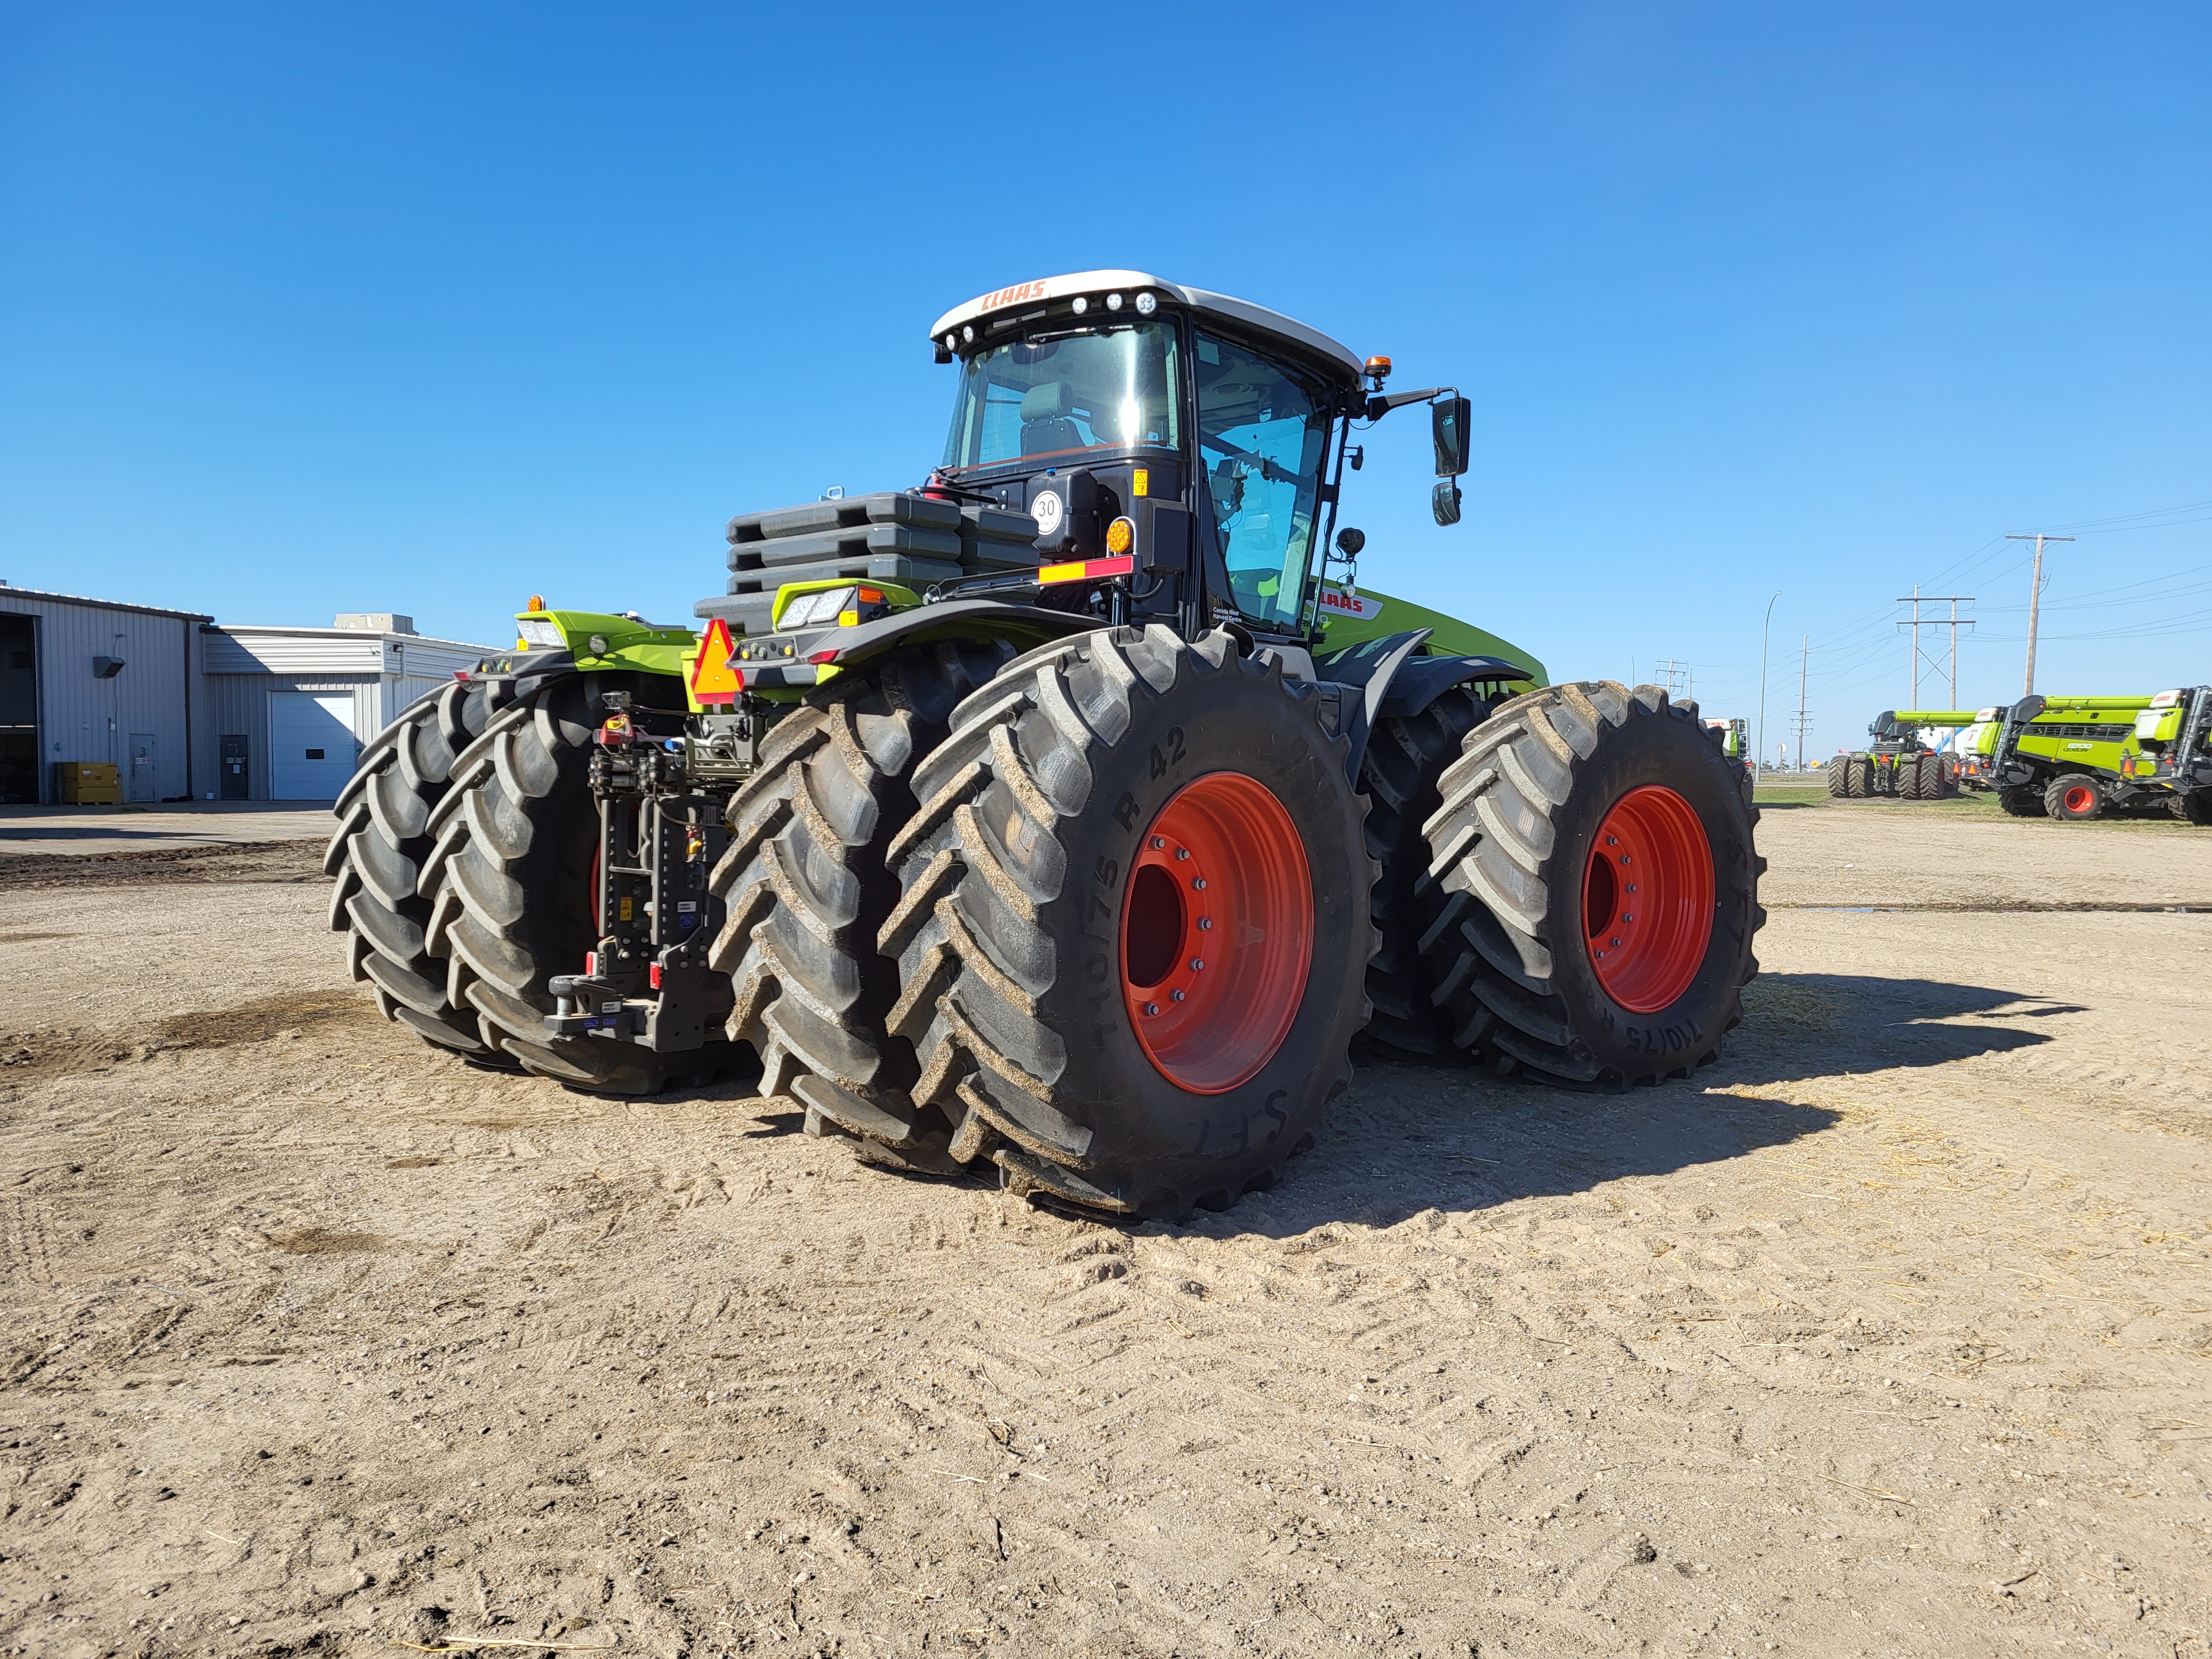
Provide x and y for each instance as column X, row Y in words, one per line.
column 715, row 677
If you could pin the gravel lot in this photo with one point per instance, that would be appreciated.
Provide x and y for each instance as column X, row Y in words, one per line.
column 1890, row 1333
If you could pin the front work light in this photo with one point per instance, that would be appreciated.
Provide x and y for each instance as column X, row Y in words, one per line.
column 1146, row 305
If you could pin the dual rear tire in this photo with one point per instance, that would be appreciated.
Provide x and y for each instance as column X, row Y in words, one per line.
column 1601, row 852
column 463, row 862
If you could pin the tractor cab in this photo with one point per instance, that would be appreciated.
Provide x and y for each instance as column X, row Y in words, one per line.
column 1180, row 451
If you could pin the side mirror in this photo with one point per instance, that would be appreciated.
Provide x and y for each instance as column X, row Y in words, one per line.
column 1350, row 541
column 1448, row 424
column 1444, row 502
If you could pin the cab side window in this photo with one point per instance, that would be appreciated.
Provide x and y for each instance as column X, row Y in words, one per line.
column 1262, row 437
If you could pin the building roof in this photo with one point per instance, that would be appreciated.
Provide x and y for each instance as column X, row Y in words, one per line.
column 280, row 630
column 1197, row 299
column 7, row 593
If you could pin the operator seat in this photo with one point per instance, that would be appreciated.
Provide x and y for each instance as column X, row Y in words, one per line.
column 1046, row 428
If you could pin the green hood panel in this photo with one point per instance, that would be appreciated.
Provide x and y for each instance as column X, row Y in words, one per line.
column 1369, row 616
column 602, row 641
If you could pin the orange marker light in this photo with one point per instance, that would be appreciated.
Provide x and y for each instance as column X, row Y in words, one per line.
column 1121, row 536
column 537, row 602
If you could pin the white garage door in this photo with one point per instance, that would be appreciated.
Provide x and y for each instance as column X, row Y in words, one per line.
column 310, row 743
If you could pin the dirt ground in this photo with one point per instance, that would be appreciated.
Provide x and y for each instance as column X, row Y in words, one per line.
column 1890, row 1333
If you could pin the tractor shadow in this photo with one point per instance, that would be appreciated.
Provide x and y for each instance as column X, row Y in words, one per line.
column 1408, row 1138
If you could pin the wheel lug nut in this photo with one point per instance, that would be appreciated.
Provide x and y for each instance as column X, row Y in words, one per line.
column 1206, row 924
column 1615, row 944
column 1198, row 964
column 1151, row 1007
column 1199, row 881
column 1157, row 843
column 1175, row 996
column 1613, row 840
column 1183, row 853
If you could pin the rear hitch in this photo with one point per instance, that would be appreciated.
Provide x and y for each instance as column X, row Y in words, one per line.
column 662, row 795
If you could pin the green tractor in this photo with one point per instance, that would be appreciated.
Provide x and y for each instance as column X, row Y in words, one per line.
column 1899, row 764
column 1073, row 813
column 2077, row 758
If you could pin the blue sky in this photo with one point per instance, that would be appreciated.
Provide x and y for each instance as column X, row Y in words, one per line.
column 306, row 309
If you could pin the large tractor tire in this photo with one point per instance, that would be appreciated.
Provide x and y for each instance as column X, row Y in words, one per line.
column 1938, row 780
column 376, row 857
column 1859, row 776
column 1840, row 778
column 2191, row 805
column 1405, row 756
column 1609, row 851
column 2073, row 797
column 2023, row 801
column 511, row 891
column 1908, row 773
column 1133, row 930
column 803, row 882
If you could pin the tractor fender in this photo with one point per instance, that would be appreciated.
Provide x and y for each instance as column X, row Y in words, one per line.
column 983, row 619
column 1392, row 681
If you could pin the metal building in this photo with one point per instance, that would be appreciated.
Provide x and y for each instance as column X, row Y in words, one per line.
column 286, row 710
column 92, row 680
column 185, row 710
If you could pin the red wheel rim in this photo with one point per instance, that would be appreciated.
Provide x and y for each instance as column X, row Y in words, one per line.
column 1217, row 932
column 1648, row 899
column 2081, row 799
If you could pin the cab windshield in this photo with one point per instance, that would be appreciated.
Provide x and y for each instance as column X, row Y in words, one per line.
column 1053, row 399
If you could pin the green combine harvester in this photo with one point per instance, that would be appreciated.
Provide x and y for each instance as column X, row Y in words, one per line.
column 2078, row 758
column 1070, row 814
column 1898, row 764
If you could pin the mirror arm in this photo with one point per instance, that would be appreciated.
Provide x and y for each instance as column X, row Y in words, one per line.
column 1383, row 404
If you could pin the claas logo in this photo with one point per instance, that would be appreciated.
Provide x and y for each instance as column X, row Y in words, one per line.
column 1009, row 296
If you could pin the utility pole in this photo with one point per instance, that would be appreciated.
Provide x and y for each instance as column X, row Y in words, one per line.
column 1804, row 725
column 1671, row 670
column 1759, row 743
column 1916, row 599
column 2034, row 598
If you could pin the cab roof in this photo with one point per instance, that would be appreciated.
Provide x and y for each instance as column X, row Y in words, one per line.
column 1129, row 284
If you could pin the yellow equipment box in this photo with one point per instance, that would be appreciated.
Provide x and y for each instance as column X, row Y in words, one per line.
column 87, row 783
